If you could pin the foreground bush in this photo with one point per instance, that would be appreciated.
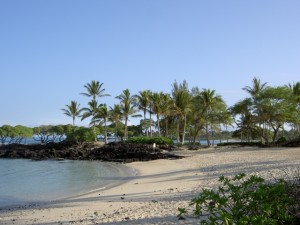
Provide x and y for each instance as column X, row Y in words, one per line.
column 150, row 140
column 242, row 201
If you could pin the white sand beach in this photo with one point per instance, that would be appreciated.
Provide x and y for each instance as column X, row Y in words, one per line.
column 158, row 189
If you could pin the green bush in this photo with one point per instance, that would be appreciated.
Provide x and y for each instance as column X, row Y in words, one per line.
column 81, row 134
column 244, row 201
column 281, row 140
column 150, row 140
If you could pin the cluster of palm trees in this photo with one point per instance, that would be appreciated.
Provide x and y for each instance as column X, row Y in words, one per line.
column 267, row 110
column 193, row 111
column 183, row 110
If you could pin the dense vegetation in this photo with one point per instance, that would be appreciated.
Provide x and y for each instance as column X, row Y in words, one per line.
column 150, row 140
column 184, row 114
column 248, row 200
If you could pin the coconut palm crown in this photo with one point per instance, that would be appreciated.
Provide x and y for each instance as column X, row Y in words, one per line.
column 94, row 89
column 72, row 110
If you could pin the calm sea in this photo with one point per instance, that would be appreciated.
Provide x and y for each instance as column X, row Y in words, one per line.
column 23, row 181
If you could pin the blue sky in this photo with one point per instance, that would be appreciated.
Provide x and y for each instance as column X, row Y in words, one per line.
column 50, row 49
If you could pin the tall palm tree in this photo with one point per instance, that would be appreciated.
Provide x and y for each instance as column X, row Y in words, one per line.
column 72, row 110
column 295, row 89
column 94, row 90
column 91, row 112
column 256, row 92
column 182, row 102
column 150, row 114
column 160, row 105
column 210, row 100
column 115, row 116
column 156, row 100
column 101, row 117
column 167, row 108
column 143, row 102
column 196, row 116
column 256, row 89
column 128, row 103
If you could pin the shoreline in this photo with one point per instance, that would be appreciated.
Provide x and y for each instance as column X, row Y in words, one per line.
column 159, row 188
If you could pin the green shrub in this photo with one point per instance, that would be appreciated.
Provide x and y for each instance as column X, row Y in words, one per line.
column 244, row 201
column 81, row 134
column 281, row 140
column 150, row 140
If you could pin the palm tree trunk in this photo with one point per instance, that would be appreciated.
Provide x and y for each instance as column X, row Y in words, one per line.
column 125, row 130
column 178, row 132
column 145, row 121
column 206, row 128
column 94, row 124
column 166, row 128
column 184, row 126
column 158, row 125
column 206, row 132
column 116, row 131
column 105, row 131
column 150, row 124
column 226, row 132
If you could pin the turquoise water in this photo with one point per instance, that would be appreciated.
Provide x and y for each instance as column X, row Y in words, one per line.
column 23, row 181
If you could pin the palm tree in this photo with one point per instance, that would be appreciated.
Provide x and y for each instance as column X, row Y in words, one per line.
column 156, row 100
column 160, row 106
column 128, row 103
column 91, row 112
column 256, row 92
column 196, row 116
column 167, row 108
column 209, row 100
column 182, row 105
column 246, row 119
column 256, row 89
column 150, row 114
column 72, row 110
column 94, row 89
column 295, row 88
column 143, row 102
column 101, row 117
column 115, row 116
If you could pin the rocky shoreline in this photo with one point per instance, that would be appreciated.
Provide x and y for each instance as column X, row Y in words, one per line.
column 115, row 152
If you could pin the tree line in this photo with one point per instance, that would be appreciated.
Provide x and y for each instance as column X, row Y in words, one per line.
column 184, row 113
column 195, row 111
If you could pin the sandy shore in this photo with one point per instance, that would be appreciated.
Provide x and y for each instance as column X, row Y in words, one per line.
column 160, row 187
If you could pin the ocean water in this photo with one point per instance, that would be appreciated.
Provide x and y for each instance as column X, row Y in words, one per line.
column 25, row 181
